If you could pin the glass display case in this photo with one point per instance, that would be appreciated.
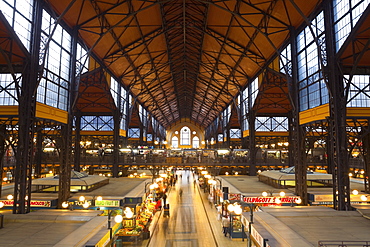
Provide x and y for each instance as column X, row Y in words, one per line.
column 236, row 226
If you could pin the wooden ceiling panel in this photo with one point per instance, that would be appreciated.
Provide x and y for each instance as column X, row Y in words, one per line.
column 185, row 59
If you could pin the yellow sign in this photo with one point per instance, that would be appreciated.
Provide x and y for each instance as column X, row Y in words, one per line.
column 107, row 203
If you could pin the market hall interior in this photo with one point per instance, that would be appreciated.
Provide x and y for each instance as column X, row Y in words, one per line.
column 193, row 220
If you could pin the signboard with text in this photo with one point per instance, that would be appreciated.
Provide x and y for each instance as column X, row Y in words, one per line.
column 107, row 203
column 34, row 203
column 270, row 199
column 235, row 197
column 257, row 236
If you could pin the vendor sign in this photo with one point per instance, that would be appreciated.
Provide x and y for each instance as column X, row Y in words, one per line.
column 234, row 197
column 107, row 203
column 257, row 236
column 34, row 203
column 270, row 199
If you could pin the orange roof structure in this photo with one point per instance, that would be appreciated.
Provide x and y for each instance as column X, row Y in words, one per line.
column 184, row 59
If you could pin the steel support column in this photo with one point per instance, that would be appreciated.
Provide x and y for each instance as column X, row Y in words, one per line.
column 296, row 132
column 142, row 130
column 39, row 152
column 26, row 113
column 337, row 121
column 73, row 92
column 24, row 152
column 291, row 147
column 65, row 165
column 3, row 148
column 300, row 161
column 77, row 140
column 252, row 139
column 66, row 131
column 366, row 155
column 227, row 134
column 116, row 122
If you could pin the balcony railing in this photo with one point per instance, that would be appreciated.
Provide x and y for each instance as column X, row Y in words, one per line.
column 344, row 243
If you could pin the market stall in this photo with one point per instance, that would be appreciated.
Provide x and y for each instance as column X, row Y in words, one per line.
column 135, row 225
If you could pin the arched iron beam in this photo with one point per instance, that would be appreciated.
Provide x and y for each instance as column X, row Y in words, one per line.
column 135, row 44
column 127, row 57
column 219, row 54
column 252, row 39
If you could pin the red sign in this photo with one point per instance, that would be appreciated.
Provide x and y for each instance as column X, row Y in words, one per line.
column 271, row 199
column 44, row 204
column 234, row 197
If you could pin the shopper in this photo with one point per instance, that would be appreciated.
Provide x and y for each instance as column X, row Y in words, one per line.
column 225, row 225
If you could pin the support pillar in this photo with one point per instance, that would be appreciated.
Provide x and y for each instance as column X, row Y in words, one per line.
column 3, row 148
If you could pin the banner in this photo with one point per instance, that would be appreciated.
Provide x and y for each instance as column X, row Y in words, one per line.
column 234, row 197
column 271, row 199
column 34, row 203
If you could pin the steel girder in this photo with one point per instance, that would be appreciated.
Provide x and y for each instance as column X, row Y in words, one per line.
column 338, row 104
column 26, row 115
column 183, row 63
column 61, row 136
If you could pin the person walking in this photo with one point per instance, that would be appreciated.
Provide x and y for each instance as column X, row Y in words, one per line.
column 180, row 192
column 164, row 199
column 225, row 225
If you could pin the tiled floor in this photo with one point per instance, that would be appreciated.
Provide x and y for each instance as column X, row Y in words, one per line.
column 192, row 221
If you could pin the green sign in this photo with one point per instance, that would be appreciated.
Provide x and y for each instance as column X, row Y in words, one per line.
column 106, row 203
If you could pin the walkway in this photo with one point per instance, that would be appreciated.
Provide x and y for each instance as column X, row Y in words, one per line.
column 192, row 221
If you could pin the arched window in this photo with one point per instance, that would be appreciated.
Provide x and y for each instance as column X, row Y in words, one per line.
column 195, row 142
column 185, row 136
column 175, row 142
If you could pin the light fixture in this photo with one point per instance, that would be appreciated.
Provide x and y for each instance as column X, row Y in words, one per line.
column 282, row 193
column 298, row 200
column 1, row 204
column 118, row 218
column 86, row 204
column 99, row 198
column 264, row 194
column 230, row 208
column 238, row 209
column 355, row 192
column 128, row 213
column 65, row 205
column 10, row 197
column 212, row 182
column 81, row 198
